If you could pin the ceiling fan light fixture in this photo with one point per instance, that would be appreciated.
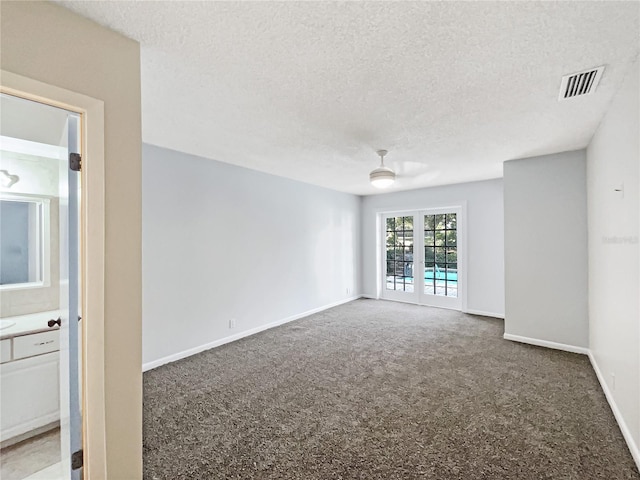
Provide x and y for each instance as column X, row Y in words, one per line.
column 7, row 180
column 382, row 177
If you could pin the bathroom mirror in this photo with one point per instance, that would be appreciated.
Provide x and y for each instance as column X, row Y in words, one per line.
column 24, row 245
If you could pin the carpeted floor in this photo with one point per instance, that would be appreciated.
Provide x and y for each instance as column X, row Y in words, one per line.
column 381, row 390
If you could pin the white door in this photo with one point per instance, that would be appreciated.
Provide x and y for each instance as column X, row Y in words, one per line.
column 423, row 257
column 70, row 306
column 399, row 254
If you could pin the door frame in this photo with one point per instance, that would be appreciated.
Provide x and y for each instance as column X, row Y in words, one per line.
column 459, row 207
column 92, row 263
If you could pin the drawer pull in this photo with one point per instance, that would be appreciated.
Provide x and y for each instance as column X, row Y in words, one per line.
column 42, row 343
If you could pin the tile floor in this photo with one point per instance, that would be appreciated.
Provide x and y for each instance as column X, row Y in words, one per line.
column 32, row 458
column 54, row 472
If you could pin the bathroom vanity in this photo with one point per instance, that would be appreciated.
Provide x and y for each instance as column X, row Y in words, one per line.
column 29, row 376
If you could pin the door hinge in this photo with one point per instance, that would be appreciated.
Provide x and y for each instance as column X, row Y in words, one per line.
column 77, row 460
column 75, row 162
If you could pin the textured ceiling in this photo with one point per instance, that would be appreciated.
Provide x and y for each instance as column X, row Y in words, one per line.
column 309, row 90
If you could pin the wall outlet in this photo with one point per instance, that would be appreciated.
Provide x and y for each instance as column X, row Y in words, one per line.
column 613, row 382
column 620, row 190
column 348, row 291
column 232, row 323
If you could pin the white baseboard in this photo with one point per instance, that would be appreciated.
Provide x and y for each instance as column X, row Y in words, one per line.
column 546, row 343
column 237, row 336
column 485, row 314
column 30, row 428
column 626, row 433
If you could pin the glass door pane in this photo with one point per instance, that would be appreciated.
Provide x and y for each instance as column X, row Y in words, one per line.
column 440, row 282
column 399, row 263
column 440, row 255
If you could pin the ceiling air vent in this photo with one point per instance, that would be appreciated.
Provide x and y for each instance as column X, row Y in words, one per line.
column 581, row 83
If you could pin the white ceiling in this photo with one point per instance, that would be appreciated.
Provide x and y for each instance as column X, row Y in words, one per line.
column 32, row 121
column 309, row 90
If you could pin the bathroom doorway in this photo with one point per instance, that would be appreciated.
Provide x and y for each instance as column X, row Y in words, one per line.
column 41, row 312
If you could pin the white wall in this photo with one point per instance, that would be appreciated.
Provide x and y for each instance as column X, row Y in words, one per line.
column 545, row 210
column 222, row 242
column 613, row 158
column 485, row 237
column 38, row 176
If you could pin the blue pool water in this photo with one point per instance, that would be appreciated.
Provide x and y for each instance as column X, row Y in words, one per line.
column 440, row 276
column 448, row 276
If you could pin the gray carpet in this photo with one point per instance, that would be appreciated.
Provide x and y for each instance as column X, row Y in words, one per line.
column 381, row 390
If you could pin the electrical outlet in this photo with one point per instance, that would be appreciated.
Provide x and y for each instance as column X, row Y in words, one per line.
column 348, row 291
column 613, row 382
column 232, row 323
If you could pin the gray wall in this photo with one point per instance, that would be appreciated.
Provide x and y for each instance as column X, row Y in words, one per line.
column 545, row 212
column 485, row 236
column 221, row 242
column 613, row 159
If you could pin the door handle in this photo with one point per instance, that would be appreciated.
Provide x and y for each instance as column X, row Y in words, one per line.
column 53, row 323
column 58, row 322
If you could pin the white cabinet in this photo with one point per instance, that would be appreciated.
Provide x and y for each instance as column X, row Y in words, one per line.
column 36, row 344
column 29, row 384
column 5, row 350
column 30, row 394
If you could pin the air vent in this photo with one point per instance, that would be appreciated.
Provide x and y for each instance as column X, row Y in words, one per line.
column 581, row 83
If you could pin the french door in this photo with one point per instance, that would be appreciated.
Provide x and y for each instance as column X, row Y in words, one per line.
column 422, row 255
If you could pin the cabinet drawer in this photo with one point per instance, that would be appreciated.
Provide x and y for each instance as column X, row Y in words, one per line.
column 36, row 344
column 5, row 350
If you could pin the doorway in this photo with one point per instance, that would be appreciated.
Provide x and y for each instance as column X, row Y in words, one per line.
column 422, row 257
column 40, row 291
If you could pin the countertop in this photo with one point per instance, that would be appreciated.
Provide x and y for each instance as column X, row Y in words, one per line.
column 27, row 324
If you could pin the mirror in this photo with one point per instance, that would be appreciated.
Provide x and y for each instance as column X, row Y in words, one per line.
column 23, row 230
